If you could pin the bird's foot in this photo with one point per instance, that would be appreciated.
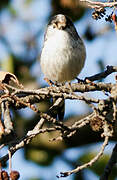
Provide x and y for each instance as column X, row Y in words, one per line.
column 50, row 83
column 80, row 80
column 87, row 81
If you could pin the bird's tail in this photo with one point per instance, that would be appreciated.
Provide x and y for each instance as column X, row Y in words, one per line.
column 57, row 110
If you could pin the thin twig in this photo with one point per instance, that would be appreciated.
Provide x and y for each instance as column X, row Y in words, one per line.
column 90, row 163
column 97, row 4
column 82, row 122
column 109, row 69
column 25, row 140
column 7, row 117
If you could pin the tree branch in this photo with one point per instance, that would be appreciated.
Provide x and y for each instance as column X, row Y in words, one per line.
column 103, row 116
column 109, row 70
column 97, row 4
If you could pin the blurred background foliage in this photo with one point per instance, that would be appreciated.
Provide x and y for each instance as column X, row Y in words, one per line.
column 22, row 25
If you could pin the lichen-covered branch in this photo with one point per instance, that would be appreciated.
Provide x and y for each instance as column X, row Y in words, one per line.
column 97, row 4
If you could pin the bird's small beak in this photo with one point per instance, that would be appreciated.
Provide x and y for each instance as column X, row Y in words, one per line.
column 61, row 25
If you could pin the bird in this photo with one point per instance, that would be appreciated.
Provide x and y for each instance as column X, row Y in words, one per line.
column 63, row 53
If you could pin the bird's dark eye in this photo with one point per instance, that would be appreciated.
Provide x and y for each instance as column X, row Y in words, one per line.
column 54, row 25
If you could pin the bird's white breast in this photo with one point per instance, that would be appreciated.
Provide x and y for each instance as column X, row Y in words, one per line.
column 61, row 59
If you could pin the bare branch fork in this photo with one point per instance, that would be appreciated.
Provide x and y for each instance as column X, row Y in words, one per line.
column 97, row 4
column 102, row 118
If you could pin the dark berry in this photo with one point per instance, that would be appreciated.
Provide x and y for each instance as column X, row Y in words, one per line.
column 14, row 175
column 4, row 175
